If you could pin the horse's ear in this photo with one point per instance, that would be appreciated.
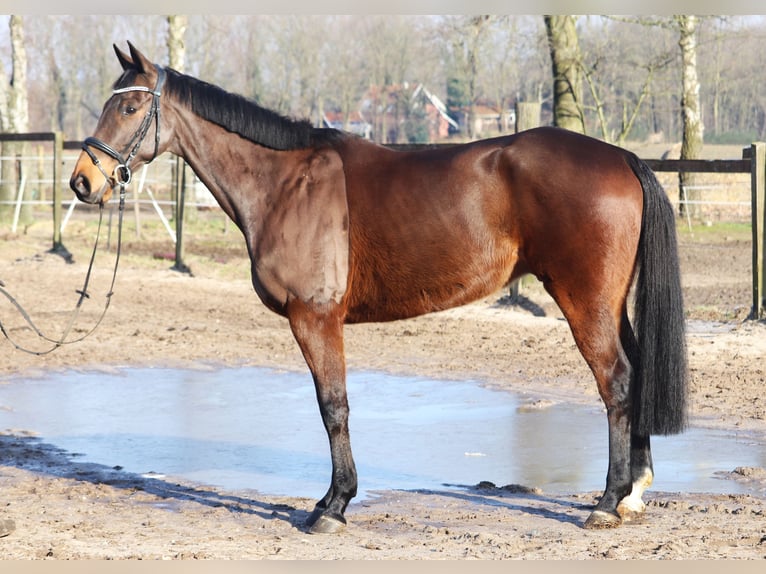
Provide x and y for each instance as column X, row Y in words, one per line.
column 124, row 59
column 140, row 62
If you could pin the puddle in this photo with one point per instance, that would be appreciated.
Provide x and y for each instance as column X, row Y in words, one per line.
column 254, row 428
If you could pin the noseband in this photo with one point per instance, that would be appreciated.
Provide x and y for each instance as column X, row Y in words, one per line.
column 122, row 173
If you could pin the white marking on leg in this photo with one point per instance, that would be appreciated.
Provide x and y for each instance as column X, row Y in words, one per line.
column 633, row 503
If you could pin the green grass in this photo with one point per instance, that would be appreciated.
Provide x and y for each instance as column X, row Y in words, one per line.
column 722, row 231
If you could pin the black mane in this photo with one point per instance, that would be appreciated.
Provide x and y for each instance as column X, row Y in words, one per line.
column 243, row 116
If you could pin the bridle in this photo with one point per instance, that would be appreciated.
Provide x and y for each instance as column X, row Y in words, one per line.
column 122, row 173
column 122, row 176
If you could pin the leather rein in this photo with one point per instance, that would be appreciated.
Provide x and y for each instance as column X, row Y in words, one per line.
column 122, row 175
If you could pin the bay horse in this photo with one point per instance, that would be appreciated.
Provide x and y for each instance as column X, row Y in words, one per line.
column 341, row 230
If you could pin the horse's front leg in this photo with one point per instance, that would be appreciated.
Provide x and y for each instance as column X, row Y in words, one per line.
column 318, row 329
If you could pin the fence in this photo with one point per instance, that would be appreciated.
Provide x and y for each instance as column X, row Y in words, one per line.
column 173, row 172
column 58, row 148
column 753, row 162
column 41, row 177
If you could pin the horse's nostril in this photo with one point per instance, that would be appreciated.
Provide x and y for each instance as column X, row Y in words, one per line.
column 80, row 185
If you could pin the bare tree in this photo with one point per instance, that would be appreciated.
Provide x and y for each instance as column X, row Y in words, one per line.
column 176, row 46
column 296, row 63
column 4, row 97
column 628, row 91
column 686, row 27
column 389, row 55
column 306, row 54
column 501, row 80
column 567, row 82
column 467, row 36
column 619, row 68
column 18, row 116
column 732, row 95
column 14, row 113
column 345, row 79
column 691, row 144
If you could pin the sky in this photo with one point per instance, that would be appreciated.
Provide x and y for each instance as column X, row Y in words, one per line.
column 386, row 7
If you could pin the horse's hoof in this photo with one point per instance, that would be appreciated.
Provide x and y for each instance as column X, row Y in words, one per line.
column 631, row 510
column 600, row 520
column 327, row 525
column 314, row 516
column 6, row 527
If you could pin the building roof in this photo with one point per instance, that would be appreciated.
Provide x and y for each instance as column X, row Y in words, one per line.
column 436, row 102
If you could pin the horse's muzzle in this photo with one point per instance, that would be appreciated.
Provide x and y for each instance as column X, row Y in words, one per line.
column 86, row 188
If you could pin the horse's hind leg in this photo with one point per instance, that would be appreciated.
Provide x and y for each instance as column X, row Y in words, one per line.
column 596, row 329
column 318, row 329
column 642, row 471
column 633, row 506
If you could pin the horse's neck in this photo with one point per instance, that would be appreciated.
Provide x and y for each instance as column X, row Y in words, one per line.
column 238, row 173
column 274, row 197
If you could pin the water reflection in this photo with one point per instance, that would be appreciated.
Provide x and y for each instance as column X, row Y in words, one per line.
column 257, row 428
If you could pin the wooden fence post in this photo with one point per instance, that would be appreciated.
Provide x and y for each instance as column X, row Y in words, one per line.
column 758, row 195
column 180, row 196
column 58, row 146
column 58, row 159
column 527, row 117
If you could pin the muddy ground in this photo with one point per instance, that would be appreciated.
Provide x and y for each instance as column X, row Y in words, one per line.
column 63, row 507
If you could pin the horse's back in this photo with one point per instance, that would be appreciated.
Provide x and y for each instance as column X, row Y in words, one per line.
column 439, row 228
column 429, row 230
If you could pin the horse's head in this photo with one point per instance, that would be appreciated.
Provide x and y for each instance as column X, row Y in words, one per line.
column 128, row 131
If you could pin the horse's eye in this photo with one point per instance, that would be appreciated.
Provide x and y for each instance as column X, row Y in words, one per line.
column 129, row 110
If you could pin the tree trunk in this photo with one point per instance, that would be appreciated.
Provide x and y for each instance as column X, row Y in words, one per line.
column 19, row 106
column 691, row 145
column 477, row 31
column 567, row 82
column 176, row 47
column 4, row 100
column 17, row 120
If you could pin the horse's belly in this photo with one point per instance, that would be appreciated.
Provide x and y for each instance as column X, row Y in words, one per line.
column 377, row 298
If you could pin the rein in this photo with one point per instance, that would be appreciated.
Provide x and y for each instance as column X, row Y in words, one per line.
column 122, row 176
column 82, row 292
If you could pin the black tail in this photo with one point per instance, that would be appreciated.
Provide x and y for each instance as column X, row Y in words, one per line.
column 659, row 388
